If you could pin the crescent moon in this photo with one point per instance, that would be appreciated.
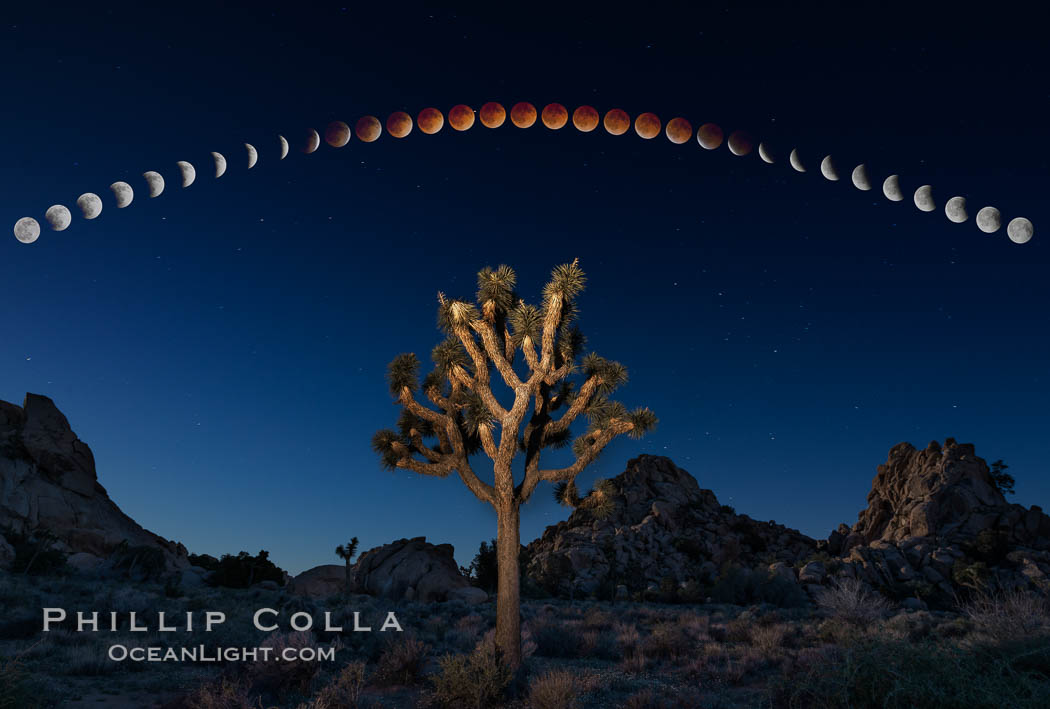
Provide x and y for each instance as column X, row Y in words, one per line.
column 924, row 198
column 955, row 210
column 311, row 141
column 155, row 182
column 123, row 193
column 709, row 136
column 188, row 173
column 766, row 153
column 58, row 217
column 892, row 188
column 284, row 147
column 740, row 142
column 90, row 205
column 829, row 169
column 989, row 220
column 253, row 155
column 860, row 177
column 796, row 160
column 27, row 230
column 1020, row 230
column 220, row 164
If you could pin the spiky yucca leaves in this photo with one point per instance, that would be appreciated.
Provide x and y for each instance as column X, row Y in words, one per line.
column 525, row 321
column 612, row 374
column 567, row 281
column 402, row 372
column 497, row 286
column 383, row 443
column 449, row 354
column 454, row 312
column 475, row 412
column 565, row 493
column 643, row 420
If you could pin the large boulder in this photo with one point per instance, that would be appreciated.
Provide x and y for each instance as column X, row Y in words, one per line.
column 410, row 569
column 48, row 482
column 319, row 582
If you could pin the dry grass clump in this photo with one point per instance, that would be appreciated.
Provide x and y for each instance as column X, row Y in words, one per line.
column 769, row 638
column 850, row 601
column 344, row 692
column 474, row 681
column 1009, row 615
column 222, row 694
column 668, row 641
column 402, row 662
column 556, row 689
column 280, row 677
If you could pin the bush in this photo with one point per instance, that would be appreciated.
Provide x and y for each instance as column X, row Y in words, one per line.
column 850, row 601
column 344, row 692
column 34, row 552
column 744, row 587
column 15, row 689
column 552, row 640
column 221, row 694
column 142, row 562
column 990, row 546
column 477, row 680
column 1009, row 615
column 280, row 677
column 243, row 570
column 402, row 662
column 556, row 689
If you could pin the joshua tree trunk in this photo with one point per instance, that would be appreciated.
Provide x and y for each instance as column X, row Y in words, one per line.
column 508, row 595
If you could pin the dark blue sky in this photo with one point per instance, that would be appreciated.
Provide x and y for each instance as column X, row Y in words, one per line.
column 222, row 348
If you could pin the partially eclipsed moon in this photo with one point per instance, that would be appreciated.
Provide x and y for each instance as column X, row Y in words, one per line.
column 924, row 198
column 523, row 114
column 585, row 118
column 989, row 220
column 829, row 169
column 709, row 136
column 892, row 188
column 430, row 120
column 253, row 155
column 617, row 121
column 955, row 210
column 90, row 205
column 337, row 134
column 1020, row 230
column 492, row 114
column 678, row 131
column 311, row 141
column 368, row 129
column 461, row 117
column 766, row 153
column 860, row 177
column 399, row 124
column 58, row 217
column 740, row 142
column 189, row 174
column 647, row 125
column 122, row 193
column 27, row 230
column 220, row 164
column 284, row 146
column 155, row 183
column 796, row 160
column 554, row 116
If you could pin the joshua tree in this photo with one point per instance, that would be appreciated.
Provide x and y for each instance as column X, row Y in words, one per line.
column 464, row 416
column 346, row 553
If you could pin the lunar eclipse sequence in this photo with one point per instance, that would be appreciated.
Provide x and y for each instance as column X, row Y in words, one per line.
column 554, row 116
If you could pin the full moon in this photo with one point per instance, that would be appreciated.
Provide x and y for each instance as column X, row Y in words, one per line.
column 253, row 155
column 989, row 220
column 647, row 125
column 58, row 217
column 617, row 122
column 523, row 114
column 860, row 177
column 284, row 146
column 796, row 160
column 399, row 124
column 1020, row 230
column 678, row 131
column 155, row 182
column 311, row 141
column 492, row 114
column 430, row 120
column 740, row 142
column 337, row 134
column 27, row 230
column 709, row 136
column 924, row 198
column 461, row 117
column 187, row 172
column 766, row 153
column 220, row 164
column 585, row 118
column 122, row 193
column 90, row 205
column 955, row 210
column 368, row 129
column 554, row 116
column 828, row 168
column 892, row 188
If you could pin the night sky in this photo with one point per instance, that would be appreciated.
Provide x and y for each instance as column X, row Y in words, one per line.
column 223, row 348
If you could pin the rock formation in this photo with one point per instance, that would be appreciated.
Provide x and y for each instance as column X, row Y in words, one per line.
column 48, row 482
column 412, row 569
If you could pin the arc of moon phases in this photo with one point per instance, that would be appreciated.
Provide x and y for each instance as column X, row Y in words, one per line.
column 740, row 142
column 188, row 172
column 1020, row 230
column 492, row 114
column 58, row 217
column 311, row 141
column 924, row 198
column 891, row 187
column 368, row 129
column 860, row 177
column 399, row 124
column 554, row 116
column 90, row 205
column 337, row 134
column 678, row 130
column 989, row 220
column 284, row 147
column 647, row 125
column 253, row 155
column 122, row 193
column 430, row 120
column 27, row 230
column 585, row 118
column 461, row 117
column 523, row 114
column 155, row 183
column 220, row 164
column 617, row 122
column 796, row 160
column 709, row 136
column 955, row 210
column 828, row 168
column 766, row 153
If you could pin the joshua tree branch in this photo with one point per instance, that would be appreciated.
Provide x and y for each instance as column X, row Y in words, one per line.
column 550, row 330
column 598, row 441
column 495, row 353
column 579, row 405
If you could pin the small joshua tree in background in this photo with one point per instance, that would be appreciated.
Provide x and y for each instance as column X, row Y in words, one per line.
column 1003, row 481
column 346, row 553
column 465, row 417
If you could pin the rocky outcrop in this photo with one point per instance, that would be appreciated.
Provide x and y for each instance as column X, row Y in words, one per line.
column 412, row 569
column 319, row 582
column 48, row 482
column 658, row 525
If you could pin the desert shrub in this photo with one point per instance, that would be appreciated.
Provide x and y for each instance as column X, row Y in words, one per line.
column 768, row 638
column 973, row 575
column 205, row 561
column 667, row 640
column 727, row 510
column 634, row 662
column 281, row 678
column 478, row 680
column 908, row 626
column 850, row 601
column 221, row 694
column 742, row 586
column 402, row 662
column 141, row 562
column 34, row 552
column 627, row 637
column 990, row 546
column 16, row 690
column 344, row 692
column 1008, row 615
column 243, row 570
column 552, row 640
column 556, row 689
